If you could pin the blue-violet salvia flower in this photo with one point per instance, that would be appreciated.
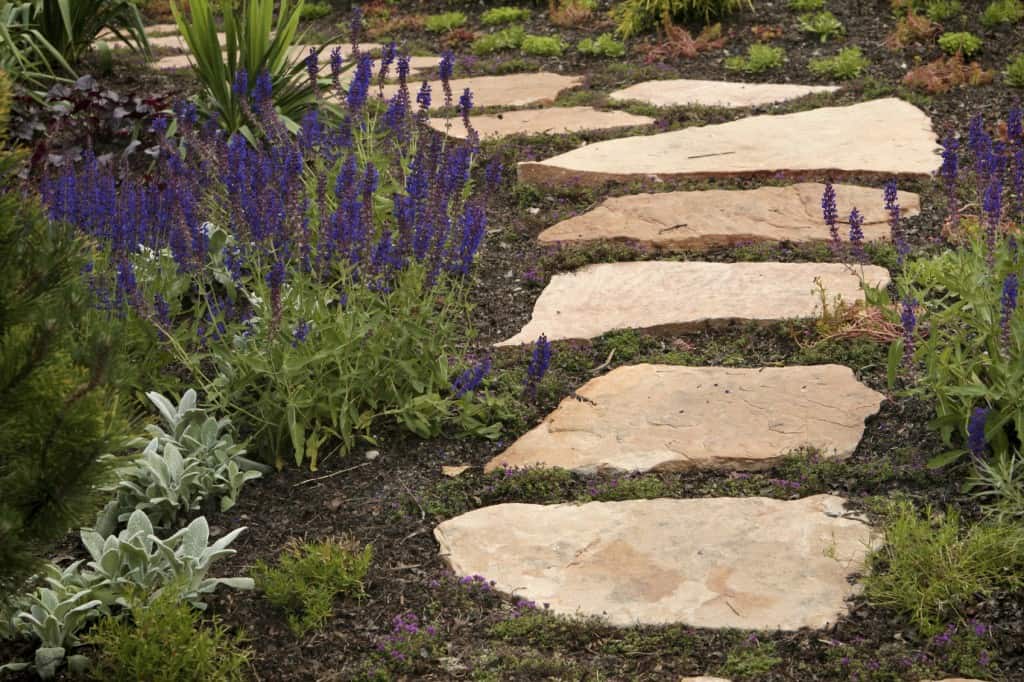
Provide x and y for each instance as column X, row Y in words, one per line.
column 976, row 432
column 1008, row 302
column 908, row 319
column 830, row 214
column 470, row 379
column 856, row 233
column 539, row 363
column 445, row 72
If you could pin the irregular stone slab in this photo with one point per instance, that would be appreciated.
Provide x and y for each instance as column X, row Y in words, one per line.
column 712, row 218
column 183, row 61
column 513, row 90
column 683, row 92
column 752, row 563
column 667, row 296
column 886, row 136
column 670, row 418
column 554, row 121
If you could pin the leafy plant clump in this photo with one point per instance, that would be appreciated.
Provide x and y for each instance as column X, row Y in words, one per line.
column 543, row 46
column 311, row 285
column 504, row 15
column 316, row 10
column 946, row 73
column 309, row 577
column 943, row 10
column 164, row 639
column 444, row 22
column 605, row 45
column 760, row 58
column 824, row 24
column 805, row 6
column 1014, row 73
column 639, row 16
column 849, row 63
column 960, row 42
column 509, row 38
column 1002, row 12
column 932, row 568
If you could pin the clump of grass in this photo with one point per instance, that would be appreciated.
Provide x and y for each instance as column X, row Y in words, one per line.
column 824, row 24
column 931, row 567
column 509, row 38
column 849, row 63
column 751, row 660
column 504, row 15
column 1014, row 74
column 309, row 577
column 760, row 58
column 165, row 639
column 1002, row 12
column 543, row 46
column 605, row 45
column 942, row 10
column 961, row 42
column 806, row 5
column 442, row 23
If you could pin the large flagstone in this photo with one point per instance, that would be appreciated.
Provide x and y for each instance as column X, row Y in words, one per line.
column 553, row 121
column 685, row 91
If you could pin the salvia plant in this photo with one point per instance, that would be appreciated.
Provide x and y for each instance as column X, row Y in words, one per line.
column 963, row 342
column 194, row 460
column 310, row 284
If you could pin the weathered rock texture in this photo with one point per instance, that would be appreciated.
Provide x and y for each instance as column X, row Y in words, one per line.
column 682, row 296
column 684, row 92
column 664, row 417
column 554, row 120
column 886, row 136
column 712, row 218
column 751, row 563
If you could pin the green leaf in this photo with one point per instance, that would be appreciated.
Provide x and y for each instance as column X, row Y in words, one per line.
column 945, row 458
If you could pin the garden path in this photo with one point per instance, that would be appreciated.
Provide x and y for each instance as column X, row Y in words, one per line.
column 752, row 563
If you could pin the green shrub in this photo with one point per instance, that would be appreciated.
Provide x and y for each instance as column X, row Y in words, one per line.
column 309, row 577
column 931, row 568
column 605, row 45
column 255, row 43
column 504, row 15
column 72, row 27
column 316, row 10
column 164, row 639
column 639, row 16
column 1014, row 74
column 825, row 25
column 760, row 58
column 1002, row 12
column 849, row 63
column 506, row 39
column 442, row 23
column 963, row 42
column 942, row 10
column 543, row 46
column 805, row 6
column 60, row 411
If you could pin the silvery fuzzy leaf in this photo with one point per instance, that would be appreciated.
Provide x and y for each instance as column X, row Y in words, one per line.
column 196, row 537
column 138, row 524
column 237, row 583
column 188, row 402
column 165, row 407
column 47, row 660
column 222, row 543
column 93, row 543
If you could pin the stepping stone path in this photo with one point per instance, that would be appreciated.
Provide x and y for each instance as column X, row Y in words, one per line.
column 515, row 90
column 752, row 563
column 663, row 417
column 683, row 92
column 712, row 218
column 534, row 121
column 682, row 296
column 882, row 136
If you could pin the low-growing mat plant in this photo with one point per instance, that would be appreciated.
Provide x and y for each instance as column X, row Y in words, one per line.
column 759, row 58
column 447, row 21
column 315, row 10
column 635, row 17
column 309, row 577
column 933, row 567
column 542, row 46
column 605, row 45
column 849, row 63
column 1014, row 73
column 1000, row 12
column 806, row 6
column 960, row 42
column 509, row 38
column 504, row 15
column 943, row 10
column 823, row 24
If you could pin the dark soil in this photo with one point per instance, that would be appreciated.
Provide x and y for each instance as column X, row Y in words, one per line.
column 394, row 500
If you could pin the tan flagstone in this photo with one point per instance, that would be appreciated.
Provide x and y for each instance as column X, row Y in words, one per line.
column 552, row 121
column 685, row 91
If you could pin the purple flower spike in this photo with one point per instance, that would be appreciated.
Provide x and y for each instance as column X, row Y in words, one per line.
column 539, row 363
column 857, row 233
column 908, row 318
column 313, row 65
column 949, row 171
column 992, row 204
column 470, row 379
column 336, row 65
column 976, row 432
column 1008, row 300
column 892, row 206
column 830, row 214
column 446, row 69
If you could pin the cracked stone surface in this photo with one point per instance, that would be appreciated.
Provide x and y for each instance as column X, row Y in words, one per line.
column 752, row 563
column 669, row 296
column 712, row 218
column 684, row 91
column 887, row 136
column 513, row 90
column 554, row 120
column 671, row 418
